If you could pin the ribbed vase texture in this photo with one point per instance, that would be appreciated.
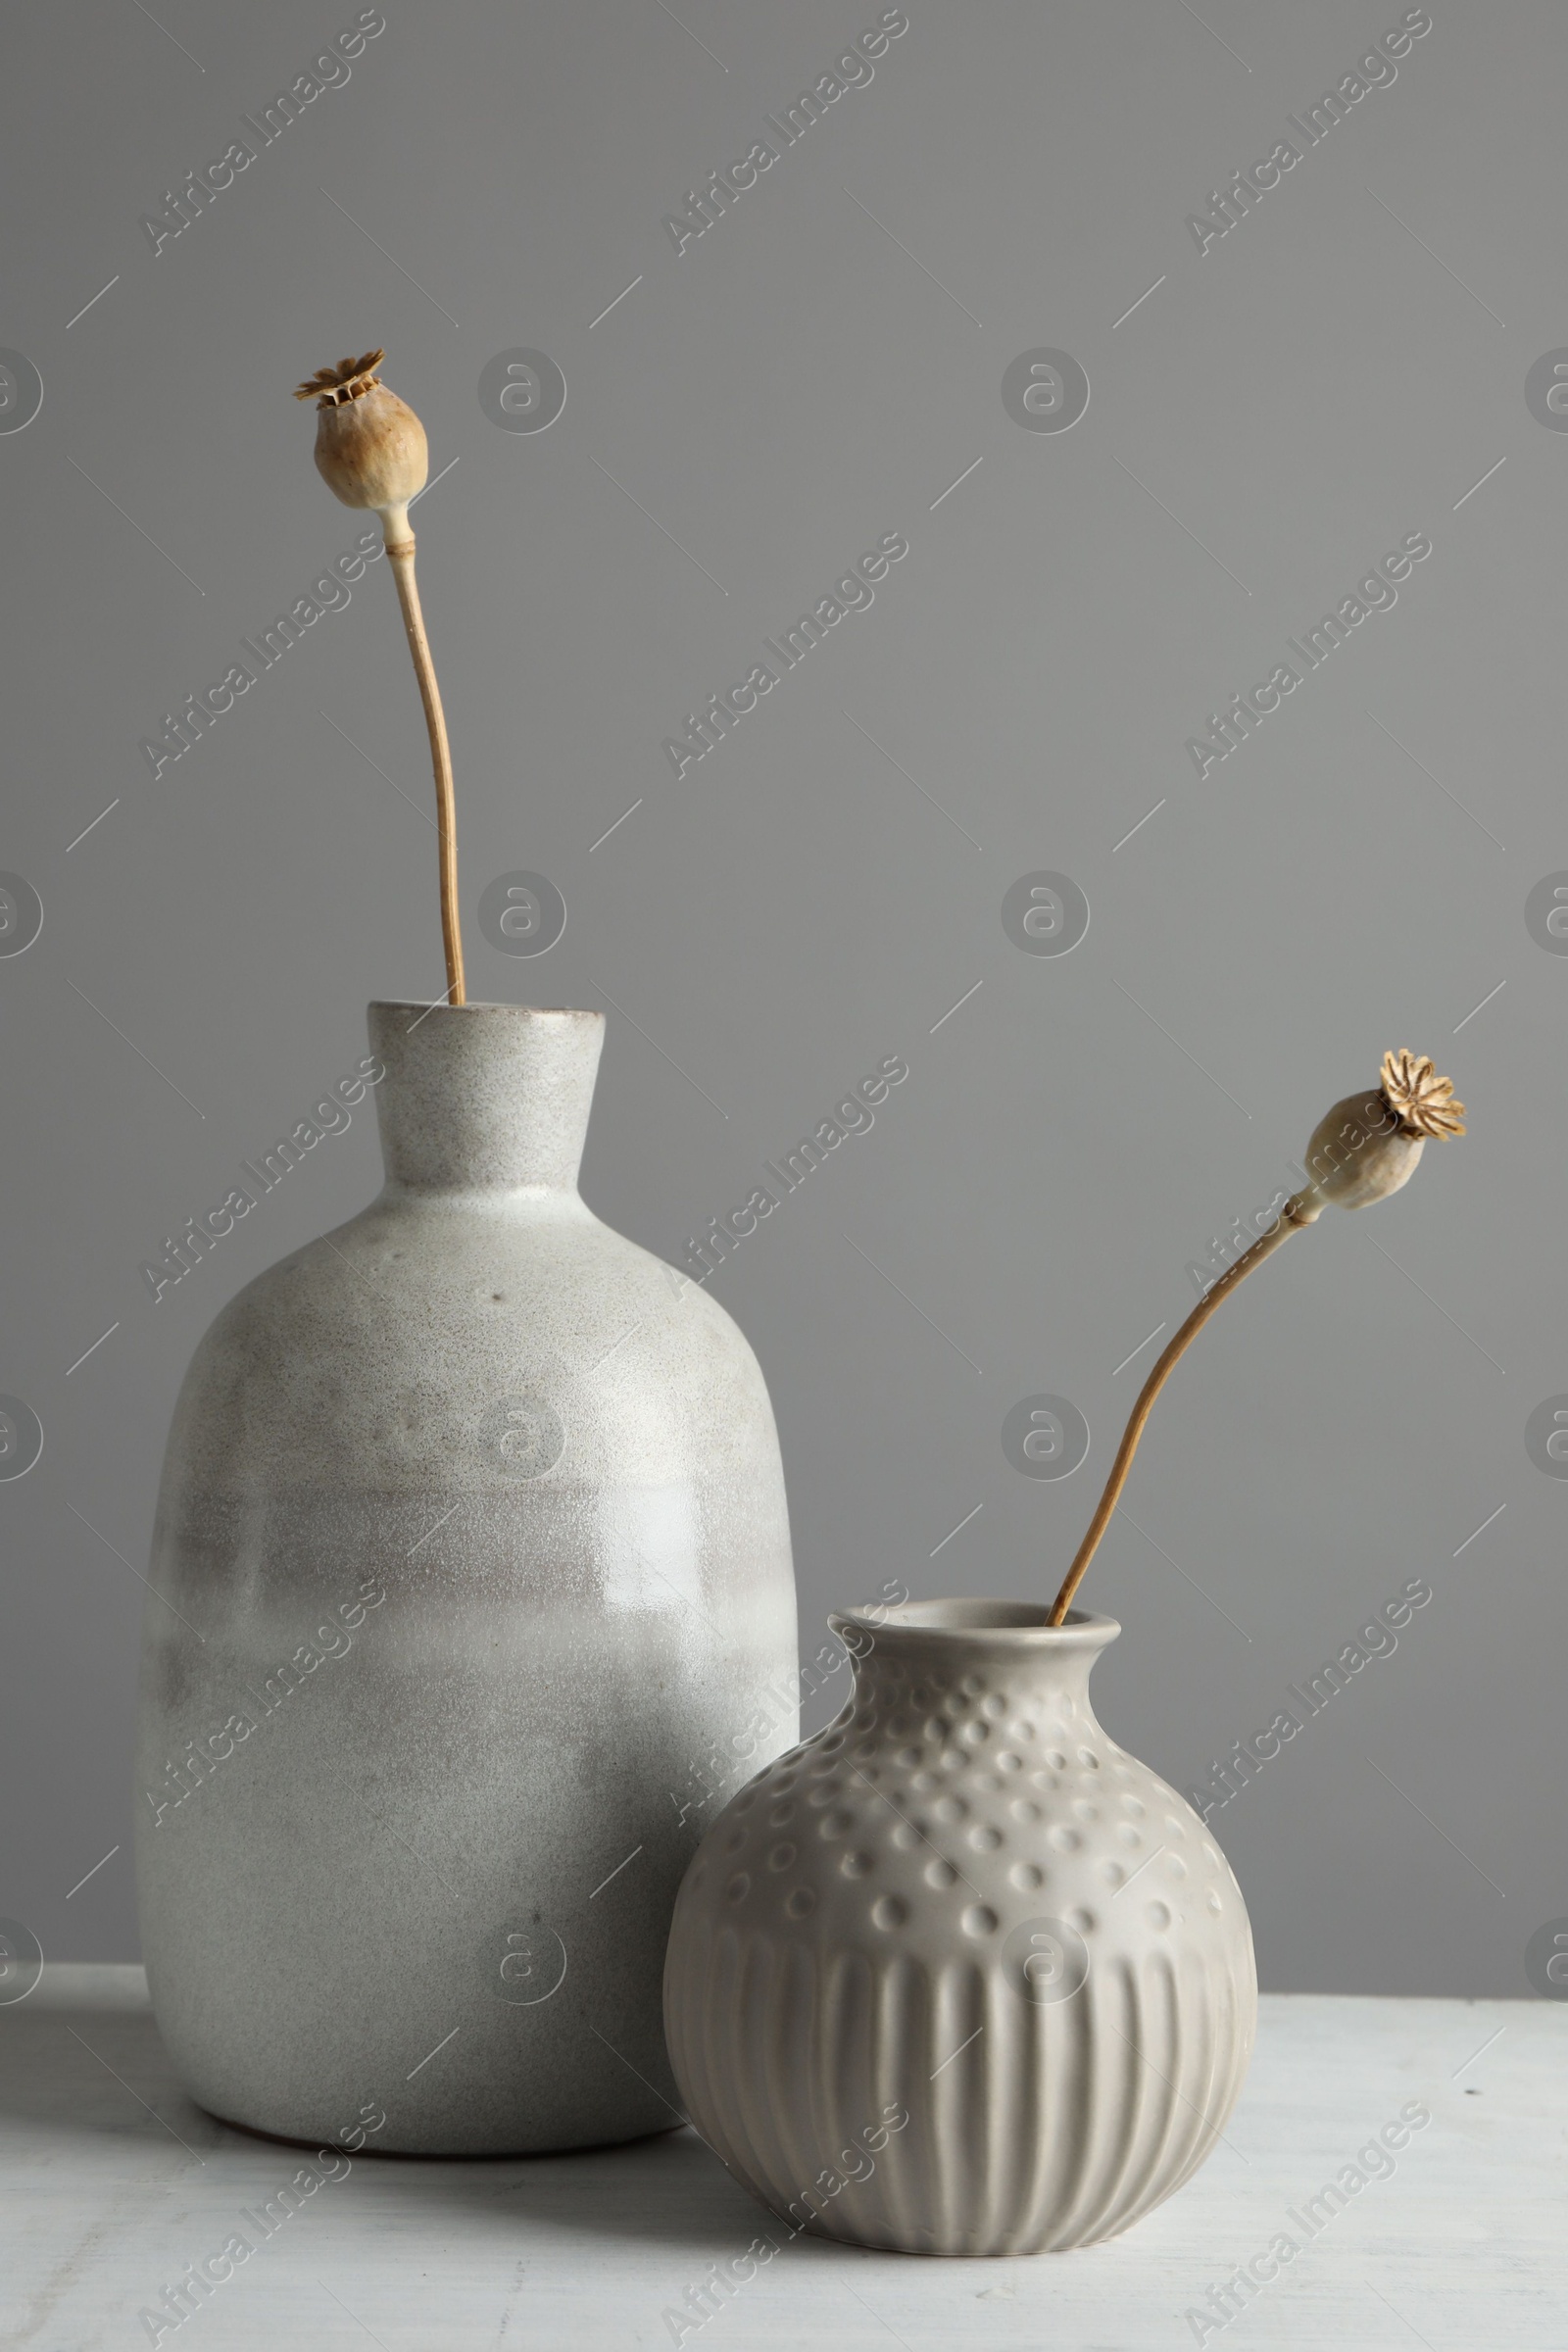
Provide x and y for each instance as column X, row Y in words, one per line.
column 471, row 1544
column 959, row 1976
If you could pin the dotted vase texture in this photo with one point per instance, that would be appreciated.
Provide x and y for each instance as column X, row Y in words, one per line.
column 959, row 1976
column 471, row 1528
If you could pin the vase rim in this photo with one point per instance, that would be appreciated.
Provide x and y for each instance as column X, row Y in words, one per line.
column 983, row 1622
column 534, row 1012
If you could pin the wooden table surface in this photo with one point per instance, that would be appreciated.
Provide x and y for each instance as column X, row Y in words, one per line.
column 112, row 2183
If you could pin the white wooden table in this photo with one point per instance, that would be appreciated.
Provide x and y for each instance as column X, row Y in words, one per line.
column 112, row 2183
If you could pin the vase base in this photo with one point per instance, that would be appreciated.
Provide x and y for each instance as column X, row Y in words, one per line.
column 1007, row 2251
column 584, row 2147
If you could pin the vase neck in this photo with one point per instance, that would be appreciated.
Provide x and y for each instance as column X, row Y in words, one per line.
column 484, row 1097
column 924, row 1657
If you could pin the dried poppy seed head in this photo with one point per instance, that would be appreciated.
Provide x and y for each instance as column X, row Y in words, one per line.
column 1423, row 1102
column 371, row 449
column 1369, row 1144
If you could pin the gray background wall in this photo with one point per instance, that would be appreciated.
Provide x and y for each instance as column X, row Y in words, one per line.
column 1332, row 374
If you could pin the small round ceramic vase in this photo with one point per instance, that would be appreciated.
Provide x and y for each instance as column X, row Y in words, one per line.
column 959, row 1976
column 471, row 1545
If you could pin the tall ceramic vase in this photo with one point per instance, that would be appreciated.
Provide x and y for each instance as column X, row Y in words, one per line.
column 471, row 1542
column 959, row 1976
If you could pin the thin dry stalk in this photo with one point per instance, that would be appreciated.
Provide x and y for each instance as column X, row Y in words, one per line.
column 400, row 555
column 1206, row 1306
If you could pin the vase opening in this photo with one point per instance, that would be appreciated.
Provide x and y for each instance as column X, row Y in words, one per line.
column 1014, row 1624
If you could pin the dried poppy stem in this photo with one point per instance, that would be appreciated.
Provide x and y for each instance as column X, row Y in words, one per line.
column 371, row 453
column 1364, row 1149
column 1207, row 1305
column 400, row 555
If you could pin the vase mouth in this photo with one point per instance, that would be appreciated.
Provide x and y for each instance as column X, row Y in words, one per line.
column 439, row 1012
column 1017, row 1626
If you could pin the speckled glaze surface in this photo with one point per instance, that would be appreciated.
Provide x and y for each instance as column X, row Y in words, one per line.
column 471, row 1539
column 959, row 1976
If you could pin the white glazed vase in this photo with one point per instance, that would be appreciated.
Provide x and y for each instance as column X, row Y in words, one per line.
column 959, row 1976
column 472, row 1540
